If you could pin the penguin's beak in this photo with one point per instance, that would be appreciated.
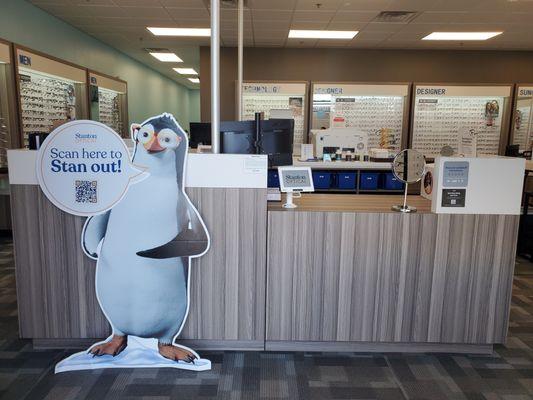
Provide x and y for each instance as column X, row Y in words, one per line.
column 153, row 145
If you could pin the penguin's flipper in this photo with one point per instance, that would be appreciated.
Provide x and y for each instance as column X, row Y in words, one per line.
column 186, row 244
column 93, row 233
column 191, row 241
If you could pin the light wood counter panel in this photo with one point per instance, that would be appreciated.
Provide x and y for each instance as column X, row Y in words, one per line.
column 350, row 203
column 55, row 280
column 388, row 277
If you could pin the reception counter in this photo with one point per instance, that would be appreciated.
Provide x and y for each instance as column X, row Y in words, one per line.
column 339, row 273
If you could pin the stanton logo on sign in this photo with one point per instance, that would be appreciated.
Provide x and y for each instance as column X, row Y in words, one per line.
column 24, row 60
column 86, row 137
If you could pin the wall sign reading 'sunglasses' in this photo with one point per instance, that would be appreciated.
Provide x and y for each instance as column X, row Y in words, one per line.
column 268, row 96
column 442, row 112
column 522, row 125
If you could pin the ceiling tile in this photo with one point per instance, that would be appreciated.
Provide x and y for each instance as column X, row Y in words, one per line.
column 354, row 16
column 364, row 5
column 411, row 5
column 365, row 43
column 186, row 13
column 372, row 35
column 183, row 3
column 333, row 43
column 440, row 17
column 312, row 4
column 271, row 15
column 301, row 43
column 383, row 27
column 265, row 34
column 271, row 25
column 132, row 3
column 271, row 4
column 318, row 16
column 309, row 25
column 146, row 12
column 226, row 14
column 346, row 26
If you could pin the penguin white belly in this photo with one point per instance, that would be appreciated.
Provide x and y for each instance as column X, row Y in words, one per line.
column 142, row 296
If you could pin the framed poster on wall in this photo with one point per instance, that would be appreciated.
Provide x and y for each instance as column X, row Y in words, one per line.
column 51, row 91
column 274, row 97
column 379, row 110
column 108, row 101
column 443, row 113
column 522, row 125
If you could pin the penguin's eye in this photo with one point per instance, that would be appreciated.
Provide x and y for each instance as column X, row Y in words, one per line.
column 168, row 139
column 145, row 134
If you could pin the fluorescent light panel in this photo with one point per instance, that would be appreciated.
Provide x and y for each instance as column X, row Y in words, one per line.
column 314, row 34
column 195, row 80
column 180, row 31
column 167, row 57
column 461, row 35
column 185, row 71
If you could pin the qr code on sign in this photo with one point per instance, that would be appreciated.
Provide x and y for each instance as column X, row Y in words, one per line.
column 86, row 191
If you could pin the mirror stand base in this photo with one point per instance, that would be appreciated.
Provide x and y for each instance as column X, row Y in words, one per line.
column 404, row 209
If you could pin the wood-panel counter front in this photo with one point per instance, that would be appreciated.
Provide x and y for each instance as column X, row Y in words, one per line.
column 346, row 273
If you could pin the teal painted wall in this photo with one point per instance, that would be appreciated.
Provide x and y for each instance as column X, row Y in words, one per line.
column 194, row 106
column 149, row 92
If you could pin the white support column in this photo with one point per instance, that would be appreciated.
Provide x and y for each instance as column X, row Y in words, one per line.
column 215, row 76
column 240, row 59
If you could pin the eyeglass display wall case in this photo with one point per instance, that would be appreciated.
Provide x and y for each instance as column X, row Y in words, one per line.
column 265, row 96
column 442, row 112
column 9, row 135
column 50, row 91
column 522, row 123
column 108, row 101
column 379, row 109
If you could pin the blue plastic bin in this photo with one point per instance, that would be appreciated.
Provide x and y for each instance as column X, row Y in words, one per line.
column 391, row 183
column 346, row 180
column 273, row 179
column 369, row 181
column 321, row 179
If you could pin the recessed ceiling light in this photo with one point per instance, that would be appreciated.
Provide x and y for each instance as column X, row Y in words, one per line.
column 180, row 31
column 194, row 80
column 314, row 34
column 167, row 57
column 461, row 35
column 185, row 71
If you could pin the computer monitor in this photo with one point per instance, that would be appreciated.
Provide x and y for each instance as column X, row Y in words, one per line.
column 200, row 134
column 276, row 138
column 237, row 137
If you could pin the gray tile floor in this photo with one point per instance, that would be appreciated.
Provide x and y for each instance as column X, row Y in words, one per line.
column 26, row 373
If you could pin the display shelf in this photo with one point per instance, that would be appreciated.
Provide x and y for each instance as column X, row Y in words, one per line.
column 444, row 114
column 379, row 110
column 9, row 137
column 108, row 101
column 51, row 92
column 522, row 124
column 268, row 96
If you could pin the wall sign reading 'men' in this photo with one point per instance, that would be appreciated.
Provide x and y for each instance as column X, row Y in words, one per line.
column 84, row 168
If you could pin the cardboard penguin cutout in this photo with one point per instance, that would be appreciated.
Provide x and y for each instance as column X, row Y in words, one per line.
column 143, row 247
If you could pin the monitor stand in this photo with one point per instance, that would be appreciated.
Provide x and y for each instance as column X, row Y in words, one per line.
column 289, row 203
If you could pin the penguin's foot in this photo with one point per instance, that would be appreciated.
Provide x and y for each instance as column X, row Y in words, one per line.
column 176, row 353
column 113, row 348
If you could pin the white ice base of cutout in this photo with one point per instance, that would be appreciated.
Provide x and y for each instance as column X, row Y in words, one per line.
column 140, row 353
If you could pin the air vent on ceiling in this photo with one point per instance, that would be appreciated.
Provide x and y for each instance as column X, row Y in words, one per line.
column 395, row 16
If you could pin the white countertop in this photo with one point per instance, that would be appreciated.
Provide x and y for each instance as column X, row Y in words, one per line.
column 203, row 170
column 343, row 164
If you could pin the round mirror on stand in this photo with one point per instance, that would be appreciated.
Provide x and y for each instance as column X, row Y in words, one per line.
column 408, row 167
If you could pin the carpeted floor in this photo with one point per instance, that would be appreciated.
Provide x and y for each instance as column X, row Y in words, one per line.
column 507, row 374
